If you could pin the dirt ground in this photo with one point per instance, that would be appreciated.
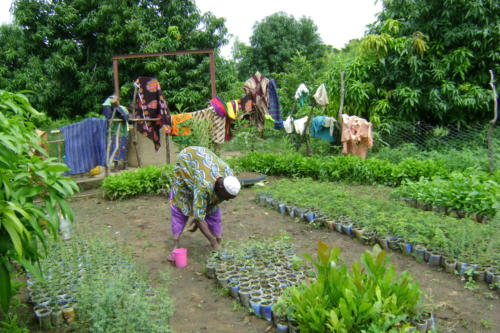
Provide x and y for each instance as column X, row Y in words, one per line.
column 143, row 223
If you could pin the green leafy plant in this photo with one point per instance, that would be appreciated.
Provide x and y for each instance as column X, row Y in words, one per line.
column 340, row 168
column 371, row 208
column 370, row 297
column 106, row 285
column 148, row 180
column 33, row 191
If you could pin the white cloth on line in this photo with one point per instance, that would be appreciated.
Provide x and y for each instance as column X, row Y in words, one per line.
column 287, row 124
column 300, row 125
column 321, row 96
column 302, row 89
column 330, row 122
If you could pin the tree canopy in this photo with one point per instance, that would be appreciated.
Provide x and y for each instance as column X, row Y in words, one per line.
column 63, row 49
column 424, row 60
column 275, row 40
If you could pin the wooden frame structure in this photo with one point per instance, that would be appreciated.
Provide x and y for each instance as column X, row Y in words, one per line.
column 210, row 52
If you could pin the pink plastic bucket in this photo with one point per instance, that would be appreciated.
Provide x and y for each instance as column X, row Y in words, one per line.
column 179, row 257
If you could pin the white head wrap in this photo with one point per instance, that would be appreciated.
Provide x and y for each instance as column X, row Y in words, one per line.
column 232, row 185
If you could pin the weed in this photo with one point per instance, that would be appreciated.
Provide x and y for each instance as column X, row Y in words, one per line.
column 237, row 306
column 486, row 323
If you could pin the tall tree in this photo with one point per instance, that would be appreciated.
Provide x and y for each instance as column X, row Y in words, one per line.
column 65, row 47
column 275, row 40
column 425, row 60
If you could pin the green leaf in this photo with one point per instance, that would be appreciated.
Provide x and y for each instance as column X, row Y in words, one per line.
column 5, row 285
column 14, row 236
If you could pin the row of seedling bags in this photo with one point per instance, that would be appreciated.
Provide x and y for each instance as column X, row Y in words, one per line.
column 345, row 225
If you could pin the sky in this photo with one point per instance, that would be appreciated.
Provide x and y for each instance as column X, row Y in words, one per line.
column 338, row 21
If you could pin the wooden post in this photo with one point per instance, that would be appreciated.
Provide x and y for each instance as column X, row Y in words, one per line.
column 108, row 149
column 117, row 143
column 303, row 136
column 339, row 118
column 291, row 117
column 494, row 120
column 59, row 159
column 167, row 147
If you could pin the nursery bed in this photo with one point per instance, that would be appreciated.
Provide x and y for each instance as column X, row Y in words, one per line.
column 143, row 223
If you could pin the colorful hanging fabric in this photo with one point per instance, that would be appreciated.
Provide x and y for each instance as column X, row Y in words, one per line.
column 151, row 104
column 177, row 120
column 274, row 105
column 218, row 123
column 232, row 112
column 120, row 155
column 257, row 88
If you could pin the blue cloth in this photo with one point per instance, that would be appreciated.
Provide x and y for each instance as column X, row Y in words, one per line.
column 121, row 153
column 274, row 105
column 85, row 144
column 318, row 130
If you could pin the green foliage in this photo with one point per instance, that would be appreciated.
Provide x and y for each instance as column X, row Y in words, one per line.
column 106, row 285
column 299, row 69
column 371, row 208
column 340, row 168
column 470, row 192
column 32, row 191
column 62, row 50
column 369, row 298
column 275, row 40
column 423, row 60
column 148, row 180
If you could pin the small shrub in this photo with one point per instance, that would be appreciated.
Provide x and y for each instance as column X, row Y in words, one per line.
column 370, row 297
column 148, row 180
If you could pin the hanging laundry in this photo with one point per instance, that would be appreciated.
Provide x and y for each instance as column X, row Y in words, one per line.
column 288, row 124
column 119, row 149
column 119, row 130
column 232, row 109
column 218, row 123
column 321, row 96
column 85, row 144
column 274, row 105
column 301, row 94
column 318, row 129
column 257, row 88
column 151, row 104
column 177, row 120
column 300, row 125
column 121, row 112
column 356, row 135
column 246, row 104
column 330, row 124
column 269, row 121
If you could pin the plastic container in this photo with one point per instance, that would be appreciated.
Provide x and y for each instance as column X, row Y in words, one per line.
column 179, row 257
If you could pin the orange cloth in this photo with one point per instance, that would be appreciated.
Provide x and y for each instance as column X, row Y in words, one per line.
column 356, row 135
column 178, row 119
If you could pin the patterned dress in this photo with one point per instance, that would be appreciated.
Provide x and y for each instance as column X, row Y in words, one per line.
column 195, row 174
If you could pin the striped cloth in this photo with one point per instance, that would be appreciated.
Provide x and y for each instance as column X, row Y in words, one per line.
column 274, row 105
column 218, row 123
column 85, row 144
